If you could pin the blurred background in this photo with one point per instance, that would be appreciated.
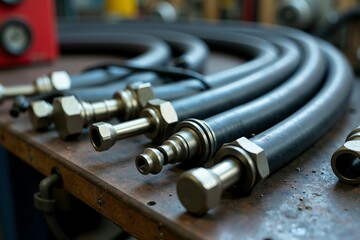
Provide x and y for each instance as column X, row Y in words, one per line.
column 334, row 20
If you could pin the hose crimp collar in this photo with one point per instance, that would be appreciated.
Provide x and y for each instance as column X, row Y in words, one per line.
column 205, row 136
column 254, row 162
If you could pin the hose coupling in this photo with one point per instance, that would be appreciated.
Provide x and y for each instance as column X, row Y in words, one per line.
column 157, row 121
column 134, row 98
column 56, row 81
column 72, row 115
column 241, row 164
column 194, row 140
column 345, row 162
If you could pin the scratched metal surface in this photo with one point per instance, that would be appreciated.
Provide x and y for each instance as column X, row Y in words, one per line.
column 304, row 200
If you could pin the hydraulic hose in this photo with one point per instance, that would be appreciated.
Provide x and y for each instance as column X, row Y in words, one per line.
column 246, row 162
column 125, row 43
column 264, row 54
column 151, row 50
column 203, row 104
column 196, row 141
column 259, row 51
column 190, row 51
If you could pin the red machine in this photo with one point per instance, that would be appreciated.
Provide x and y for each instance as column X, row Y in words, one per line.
column 27, row 32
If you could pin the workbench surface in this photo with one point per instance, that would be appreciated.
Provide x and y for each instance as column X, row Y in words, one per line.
column 301, row 201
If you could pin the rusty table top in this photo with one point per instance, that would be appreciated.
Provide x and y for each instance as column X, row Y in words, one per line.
column 301, row 201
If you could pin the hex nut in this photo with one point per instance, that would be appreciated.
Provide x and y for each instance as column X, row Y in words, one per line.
column 60, row 80
column 164, row 119
column 103, row 136
column 68, row 117
column 41, row 114
column 253, row 160
column 199, row 190
column 134, row 98
column 143, row 93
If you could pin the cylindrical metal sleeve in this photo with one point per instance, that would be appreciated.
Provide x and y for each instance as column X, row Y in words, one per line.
column 151, row 50
column 294, row 135
column 263, row 112
column 220, row 99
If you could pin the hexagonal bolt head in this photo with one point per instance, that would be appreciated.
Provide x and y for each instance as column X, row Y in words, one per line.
column 134, row 98
column 103, row 136
column 60, row 80
column 345, row 162
column 164, row 119
column 253, row 161
column 41, row 114
column 68, row 117
column 143, row 92
column 199, row 190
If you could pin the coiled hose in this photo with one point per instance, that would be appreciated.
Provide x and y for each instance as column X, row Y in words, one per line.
column 196, row 141
column 244, row 163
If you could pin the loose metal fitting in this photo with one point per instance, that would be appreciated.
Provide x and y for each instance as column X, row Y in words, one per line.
column 240, row 164
column 157, row 121
column 194, row 140
column 345, row 162
column 56, row 81
column 72, row 115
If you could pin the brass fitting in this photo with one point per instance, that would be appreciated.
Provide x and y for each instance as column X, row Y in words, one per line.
column 157, row 121
column 72, row 115
column 193, row 140
column 40, row 114
column 345, row 162
column 241, row 164
column 56, row 81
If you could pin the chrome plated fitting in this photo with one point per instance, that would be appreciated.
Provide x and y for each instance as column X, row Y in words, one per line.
column 241, row 164
column 56, row 81
column 157, row 121
column 40, row 114
column 194, row 140
column 71, row 115
column 345, row 162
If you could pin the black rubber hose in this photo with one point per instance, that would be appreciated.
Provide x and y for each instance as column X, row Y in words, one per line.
column 220, row 99
column 279, row 103
column 294, row 135
column 261, row 52
column 152, row 51
column 190, row 52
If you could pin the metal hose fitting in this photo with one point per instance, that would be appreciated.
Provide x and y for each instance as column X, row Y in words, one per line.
column 345, row 162
column 194, row 140
column 157, row 121
column 72, row 115
column 40, row 114
column 241, row 164
column 56, row 81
